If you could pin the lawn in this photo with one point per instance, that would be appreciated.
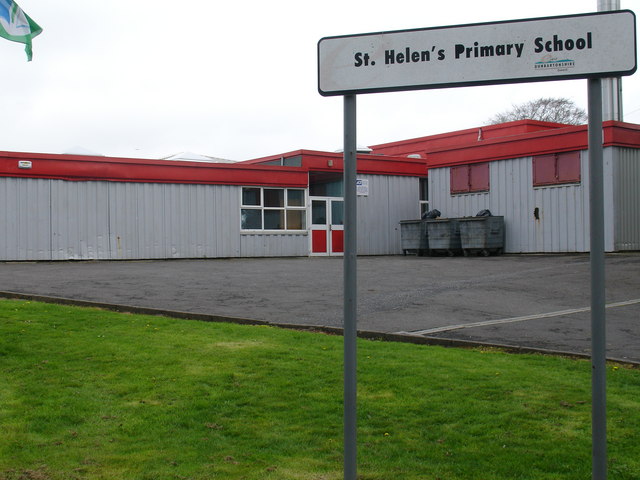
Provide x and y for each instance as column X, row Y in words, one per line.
column 92, row 394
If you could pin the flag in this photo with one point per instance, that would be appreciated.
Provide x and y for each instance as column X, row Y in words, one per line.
column 15, row 25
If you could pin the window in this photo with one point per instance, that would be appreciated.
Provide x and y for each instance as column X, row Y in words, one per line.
column 424, row 196
column 470, row 178
column 251, row 196
column 325, row 188
column 556, row 169
column 295, row 161
column 273, row 209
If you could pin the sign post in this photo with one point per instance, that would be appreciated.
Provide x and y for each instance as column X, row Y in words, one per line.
column 598, row 315
column 350, row 288
column 587, row 46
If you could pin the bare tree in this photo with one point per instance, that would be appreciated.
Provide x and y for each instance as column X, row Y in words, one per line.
column 558, row 110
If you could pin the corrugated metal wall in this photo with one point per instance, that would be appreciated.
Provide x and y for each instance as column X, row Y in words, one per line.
column 563, row 211
column 390, row 200
column 62, row 220
column 627, row 199
column 79, row 220
column 274, row 245
column 149, row 220
column 25, row 219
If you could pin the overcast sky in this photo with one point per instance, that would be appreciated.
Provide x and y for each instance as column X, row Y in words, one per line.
column 150, row 78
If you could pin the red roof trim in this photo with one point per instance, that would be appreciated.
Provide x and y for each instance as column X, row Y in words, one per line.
column 366, row 163
column 531, row 144
column 539, row 138
column 85, row 168
column 89, row 168
column 621, row 134
column 430, row 143
column 571, row 138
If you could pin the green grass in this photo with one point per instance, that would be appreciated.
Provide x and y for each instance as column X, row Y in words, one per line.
column 91, row 394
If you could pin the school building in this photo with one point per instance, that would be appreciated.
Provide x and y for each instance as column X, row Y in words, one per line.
column 535, row 174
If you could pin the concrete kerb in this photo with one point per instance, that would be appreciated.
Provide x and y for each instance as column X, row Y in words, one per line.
column 132, row 309
column 368, row 335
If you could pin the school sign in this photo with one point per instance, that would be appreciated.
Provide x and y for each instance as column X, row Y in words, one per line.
column 533, row 50
column 540, row 49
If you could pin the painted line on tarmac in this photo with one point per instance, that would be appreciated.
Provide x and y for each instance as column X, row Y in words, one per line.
column 524, row 318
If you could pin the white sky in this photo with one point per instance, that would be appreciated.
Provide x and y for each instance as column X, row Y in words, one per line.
column 151, row 78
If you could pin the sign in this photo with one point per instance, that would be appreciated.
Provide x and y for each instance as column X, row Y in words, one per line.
column 362, row 187
column 599, row 44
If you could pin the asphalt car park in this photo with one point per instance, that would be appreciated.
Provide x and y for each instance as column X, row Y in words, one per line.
column 523, row 301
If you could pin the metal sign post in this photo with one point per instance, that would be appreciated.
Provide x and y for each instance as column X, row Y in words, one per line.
column 598, row 316
column 350, row 289
column 588, row 46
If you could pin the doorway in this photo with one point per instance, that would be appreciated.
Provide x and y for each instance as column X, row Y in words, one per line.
column 327, row 226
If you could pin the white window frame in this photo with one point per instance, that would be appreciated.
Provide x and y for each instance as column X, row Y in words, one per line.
column 285, row 208
column 423, row 203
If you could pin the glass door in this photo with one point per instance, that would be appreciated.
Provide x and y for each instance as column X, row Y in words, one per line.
column 327, row 226
column 336, row 227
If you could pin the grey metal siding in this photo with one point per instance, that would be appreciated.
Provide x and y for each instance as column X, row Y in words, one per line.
column 137, row 221
column 25, row 219
column 627, row 199
column 79, row 220
column 224, row 211
column 563, row 210
column 174, row 221
column 274, row 245
column 390, row 200
column 507, row 195
column 46, row 219
column 564, row 219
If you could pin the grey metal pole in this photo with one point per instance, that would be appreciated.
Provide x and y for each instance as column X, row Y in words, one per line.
column 350, row 289
column 611, row 87
column 598, row 315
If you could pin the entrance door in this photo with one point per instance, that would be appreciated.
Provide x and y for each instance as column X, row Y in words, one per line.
column 327, row 226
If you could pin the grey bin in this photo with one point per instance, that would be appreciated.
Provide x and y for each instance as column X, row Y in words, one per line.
column 483, row 235
column 444, row 236
column 413, row 236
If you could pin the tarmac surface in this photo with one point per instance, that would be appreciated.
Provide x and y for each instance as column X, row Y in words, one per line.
column 529, row 301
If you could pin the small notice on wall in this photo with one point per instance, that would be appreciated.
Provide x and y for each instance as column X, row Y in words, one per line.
column 362, row 187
